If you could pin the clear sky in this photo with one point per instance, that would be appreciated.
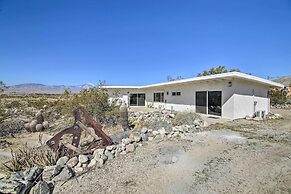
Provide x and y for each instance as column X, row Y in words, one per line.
column 135, row 42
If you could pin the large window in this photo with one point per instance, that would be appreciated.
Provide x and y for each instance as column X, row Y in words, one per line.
column 159, row 97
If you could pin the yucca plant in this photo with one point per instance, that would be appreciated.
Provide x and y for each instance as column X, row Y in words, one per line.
column 27, row 157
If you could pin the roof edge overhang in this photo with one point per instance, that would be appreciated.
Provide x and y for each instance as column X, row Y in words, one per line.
column 205, row 78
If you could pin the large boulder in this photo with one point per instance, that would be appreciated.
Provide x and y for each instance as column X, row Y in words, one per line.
column 42, row 187
column 73, row 162
column 65, row 174
column 62, row 161
column 83, row 159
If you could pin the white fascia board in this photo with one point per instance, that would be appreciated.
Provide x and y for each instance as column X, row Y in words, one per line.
column 205, row 78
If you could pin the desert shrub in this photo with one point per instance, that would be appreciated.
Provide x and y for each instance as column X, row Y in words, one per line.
column 94, row 100
column 278, row 96
column 13, row 104
column 27, row 157
column 185, row 118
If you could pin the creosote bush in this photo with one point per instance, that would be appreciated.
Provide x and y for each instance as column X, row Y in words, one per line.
column 95, row 100
column 278, row 96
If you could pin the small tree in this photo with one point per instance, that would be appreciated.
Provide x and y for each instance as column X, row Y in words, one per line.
column 217, row 70
column 278, row 96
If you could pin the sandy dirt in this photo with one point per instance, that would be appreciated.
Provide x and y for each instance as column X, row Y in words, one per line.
column 235, row 157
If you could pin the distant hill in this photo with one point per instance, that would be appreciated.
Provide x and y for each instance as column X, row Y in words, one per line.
column 45, row 89
column 285, row 80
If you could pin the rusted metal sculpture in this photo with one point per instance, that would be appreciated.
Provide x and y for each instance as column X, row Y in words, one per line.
column 100, row 138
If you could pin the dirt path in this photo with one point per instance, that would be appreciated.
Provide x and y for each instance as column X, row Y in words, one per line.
column 214, row 161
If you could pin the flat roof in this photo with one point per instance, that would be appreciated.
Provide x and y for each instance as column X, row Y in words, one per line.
column 205, row 78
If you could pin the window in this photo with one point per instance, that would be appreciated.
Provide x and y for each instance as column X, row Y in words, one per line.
column 176, row 93
column 159, row 97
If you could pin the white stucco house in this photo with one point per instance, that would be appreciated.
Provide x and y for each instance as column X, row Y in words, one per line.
column 228, row 95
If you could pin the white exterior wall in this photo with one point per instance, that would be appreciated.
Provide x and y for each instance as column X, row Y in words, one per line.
column 237, row 99
column 186, row 102
column 246, row 94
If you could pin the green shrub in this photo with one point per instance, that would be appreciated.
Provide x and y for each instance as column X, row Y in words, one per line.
column 278, row 96
column 94, row 100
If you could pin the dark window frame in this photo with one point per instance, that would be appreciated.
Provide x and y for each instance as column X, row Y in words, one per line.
column 159, row 97
column 176, row 93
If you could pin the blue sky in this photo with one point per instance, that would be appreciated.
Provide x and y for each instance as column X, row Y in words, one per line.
column 136, row 42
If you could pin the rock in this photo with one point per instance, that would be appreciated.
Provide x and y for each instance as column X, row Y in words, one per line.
column 144, row 130
column 104, row 157
column 144, row 137
column 109, row 155
column 130, row 148
column 83, row 159
column 57, row 170
column 92, row 163
column 150, row 138
column 73, row 162
column 111, row 147
column 42, row 187
column 45, row 125
column 48, row 172
column 155, row 133
column 7, row 186
column 162, row 131
column 14, row 176
column 39, row 127
column 65, row 174
column 32, row 125
column 135, row 137
column 78, row 169
column 39, row 117
column 62, row 161
column 126, row 141
column 98, row 152
column 79, row 164
column 32, row 174
column 27, row 126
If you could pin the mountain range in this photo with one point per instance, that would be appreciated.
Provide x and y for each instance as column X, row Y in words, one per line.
column 29, row 88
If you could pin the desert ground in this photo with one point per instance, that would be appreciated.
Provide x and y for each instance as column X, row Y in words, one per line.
column 222, row 156
column 235, row 157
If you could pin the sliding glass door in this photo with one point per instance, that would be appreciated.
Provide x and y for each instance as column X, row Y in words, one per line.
column 209, row 102
column 137, row 100
column 201, row 102
column 214, row 103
